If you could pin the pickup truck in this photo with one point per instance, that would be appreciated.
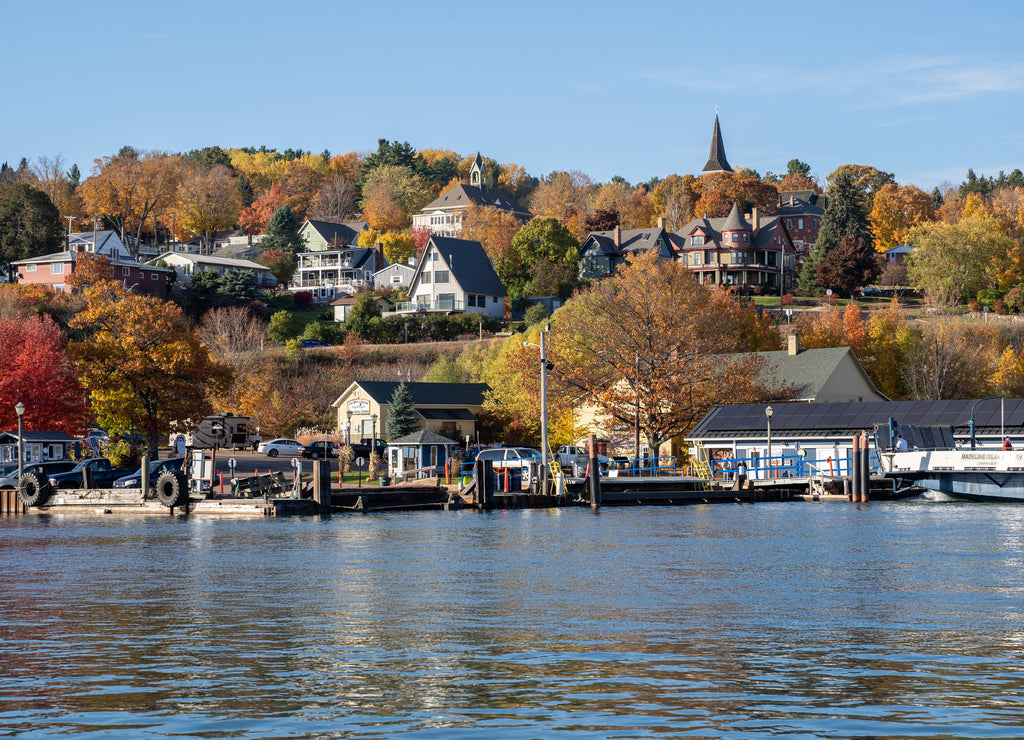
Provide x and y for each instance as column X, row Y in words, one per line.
column 103, row 475
column 362, row 448
column 568, row 454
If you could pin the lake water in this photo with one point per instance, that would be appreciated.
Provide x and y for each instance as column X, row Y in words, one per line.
column 728, row 621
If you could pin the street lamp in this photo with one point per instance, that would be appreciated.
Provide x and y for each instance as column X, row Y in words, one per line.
column 768, row 414
column 348, row 428
column 19, row 409
column 373, row 433
column 636, row 411
column 543, row 405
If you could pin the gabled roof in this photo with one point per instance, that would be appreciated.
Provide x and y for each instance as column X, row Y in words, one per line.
column 808, row 196
column 808, row 370
column 631, row 241
column 799, row 207
column 716, row 159
column 346, row 233
column 468, row 263
column 57, row 257
column 423, row 394
column 899, row 249
column 712, row 229
column 423, row 437
column 37, row 437
column 463, row 196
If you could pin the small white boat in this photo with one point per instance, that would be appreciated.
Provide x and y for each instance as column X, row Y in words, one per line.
column 979, row 474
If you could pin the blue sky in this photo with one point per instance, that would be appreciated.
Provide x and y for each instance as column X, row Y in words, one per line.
column 923, row 90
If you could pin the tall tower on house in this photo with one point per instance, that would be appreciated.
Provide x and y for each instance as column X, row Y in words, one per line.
column 478, row 173
column 716, row 159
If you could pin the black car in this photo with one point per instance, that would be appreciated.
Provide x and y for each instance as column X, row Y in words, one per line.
column 363, row 447
column 322, row 448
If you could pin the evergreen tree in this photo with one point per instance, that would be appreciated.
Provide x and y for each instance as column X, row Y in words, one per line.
column 937, row 199
column 401, row 415
column 29, row 225
column 843, row 218
column 282, row 232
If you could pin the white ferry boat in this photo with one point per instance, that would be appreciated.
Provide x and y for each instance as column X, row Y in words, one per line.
column 979, row 474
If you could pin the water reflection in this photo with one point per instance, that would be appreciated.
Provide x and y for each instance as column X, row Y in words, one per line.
column 787, row 619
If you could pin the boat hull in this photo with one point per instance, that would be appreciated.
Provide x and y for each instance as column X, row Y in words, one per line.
column 976, row 475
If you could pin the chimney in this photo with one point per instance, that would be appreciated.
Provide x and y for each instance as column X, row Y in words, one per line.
column 661, row 222
column 617, row 236
column 794, row 345
column 792, row 200
column 755, row 220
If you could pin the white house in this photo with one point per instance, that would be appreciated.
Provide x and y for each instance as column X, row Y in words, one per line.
column 187, row 265
column 455, row 276
column 395, row 276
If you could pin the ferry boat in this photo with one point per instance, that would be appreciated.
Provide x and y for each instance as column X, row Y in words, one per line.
column 978, row 474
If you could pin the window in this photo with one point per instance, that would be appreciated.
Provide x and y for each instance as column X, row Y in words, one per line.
column 685, row 260
column 697, row 241
column 696, row 259
column 31, row 268
column 57, row 268
column 493, row 300
column 735, row 237
column 126, row 271
column 789, row 223
column 746, row 236
column 396, row 279
column 441, row 276
column 425, row 278
column 799, row 223
column 153, row 276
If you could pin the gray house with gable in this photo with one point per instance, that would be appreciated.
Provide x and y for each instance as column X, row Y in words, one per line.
column 455, row 276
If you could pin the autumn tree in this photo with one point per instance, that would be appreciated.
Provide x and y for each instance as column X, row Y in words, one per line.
column 335, row 201
column 142, row 363
column 952, row 262
column 90, row 269
column 494, row 228
column 717, row 192
column 236, row 338
column 564, row 196
column 261, row 169
column 207, row 200
column 391, row 194
column 398, row 247
column 896, row 211
column 254, row 219
column 29, row 225
column 541, row 260
column 515, row 182
column 865, row 180
column 130, row 188
column 52, row 179
column 635, row 206
column 651, row 338
column 37, row 373
column 281, row 262
column 674, row 199
column 889, row 340
column 852, row 264
column 947, row 361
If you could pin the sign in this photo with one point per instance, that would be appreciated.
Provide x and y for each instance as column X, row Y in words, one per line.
column 232, row 464
column 359, row 406
column 360, row 461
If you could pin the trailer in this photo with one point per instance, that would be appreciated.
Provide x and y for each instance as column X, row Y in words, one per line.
column 219, row 431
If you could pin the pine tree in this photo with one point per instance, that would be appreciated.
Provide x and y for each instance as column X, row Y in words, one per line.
column 843, row 218
column 401, row 415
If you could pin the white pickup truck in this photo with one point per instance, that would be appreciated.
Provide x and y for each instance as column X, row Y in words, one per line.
column 568, row 455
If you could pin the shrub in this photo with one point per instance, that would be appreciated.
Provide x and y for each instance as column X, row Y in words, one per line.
column 999, row 306
column 974, row 305
column 535, row 314
column 1014, row 299
column 787, row 299
column 302, row 298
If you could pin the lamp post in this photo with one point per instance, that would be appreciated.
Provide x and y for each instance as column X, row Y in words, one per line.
column 636, row 410
column 768, row 415
column 373, row 433
column 543, row 405
column 348, row 428
column 19, row 409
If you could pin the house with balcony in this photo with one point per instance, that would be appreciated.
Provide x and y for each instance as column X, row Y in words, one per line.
column 328, row 274
column 602, row 252
column 455, row 276
column 752, row 252
column 444, row 215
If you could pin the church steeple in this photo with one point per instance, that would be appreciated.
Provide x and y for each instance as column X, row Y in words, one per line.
column 716, row 159
column 477, row 172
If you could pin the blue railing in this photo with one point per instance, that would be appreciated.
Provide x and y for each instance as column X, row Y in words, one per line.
column 786, row 466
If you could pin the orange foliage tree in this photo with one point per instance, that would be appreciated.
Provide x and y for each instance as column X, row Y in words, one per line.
column 651, row 339
column 142, row 363
column 254, row 219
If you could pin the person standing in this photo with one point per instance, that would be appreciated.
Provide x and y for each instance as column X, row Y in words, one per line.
column 901, row 444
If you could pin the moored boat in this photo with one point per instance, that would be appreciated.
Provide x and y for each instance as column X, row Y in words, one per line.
column 978, row 474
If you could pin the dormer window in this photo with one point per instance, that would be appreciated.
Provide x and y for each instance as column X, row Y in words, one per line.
column 697, row 240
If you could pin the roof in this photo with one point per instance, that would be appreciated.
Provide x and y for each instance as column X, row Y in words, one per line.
column 210, row 259
column 462, row 196
column 808, row 370
column 716, row 158
column 423, row 437
column 448, row 414
column 900, row 249
column 844, row 419
column 346, row 233
column 799, row 207
column 735, row 221
column 469, row 265
column 630, row 240
column 38, row 436
column 712, row 229
column 66, row 256
column 424, row 394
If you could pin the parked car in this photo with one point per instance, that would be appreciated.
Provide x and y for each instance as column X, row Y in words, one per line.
column 9, row 479
column 567, row 455
column 156, row 467
column 365, row 445
column 321, row 448
column 280, row 446
column 103, row 474
column 510, row 457
column 312, row 343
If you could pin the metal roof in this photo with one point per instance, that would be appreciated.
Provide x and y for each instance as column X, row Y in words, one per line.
column 842, row 419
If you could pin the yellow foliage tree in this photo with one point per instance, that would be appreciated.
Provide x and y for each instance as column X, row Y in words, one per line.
column 896, row 210
column 398, row 247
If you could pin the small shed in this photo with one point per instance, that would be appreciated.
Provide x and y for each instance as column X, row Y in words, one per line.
column 39, row 446
column 424, row 451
